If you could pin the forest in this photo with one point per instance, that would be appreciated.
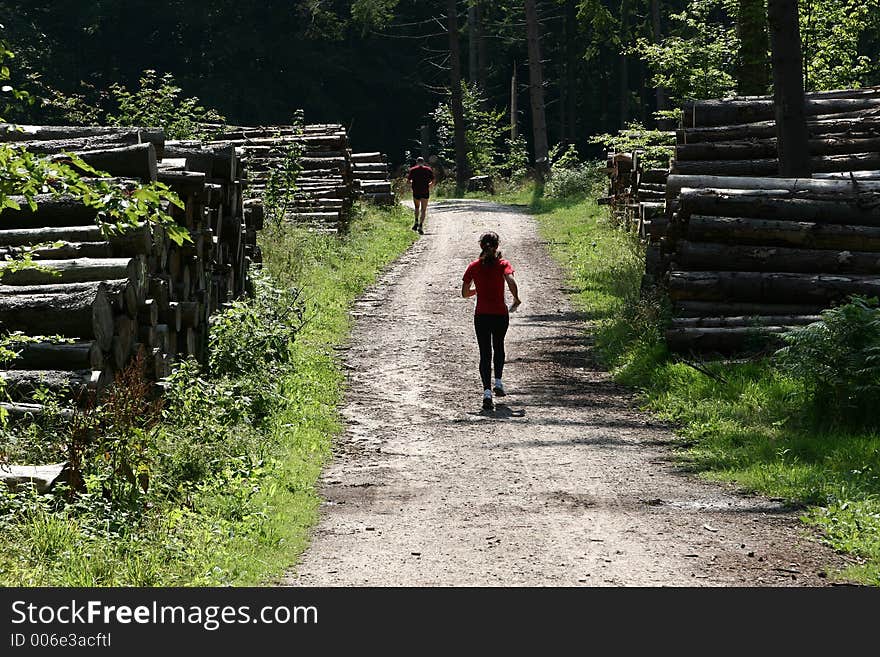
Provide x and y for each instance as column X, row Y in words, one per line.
column 210, row 376
column 382, row 67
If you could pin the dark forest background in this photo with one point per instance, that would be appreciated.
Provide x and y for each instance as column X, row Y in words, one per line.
column 380, row 67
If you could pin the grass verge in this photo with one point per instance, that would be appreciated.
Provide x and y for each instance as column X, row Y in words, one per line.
column 233, row 458
column 737, row 423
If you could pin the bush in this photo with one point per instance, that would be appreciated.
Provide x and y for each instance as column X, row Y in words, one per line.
column 837, row 361
column 569, row 177
column 255, row 334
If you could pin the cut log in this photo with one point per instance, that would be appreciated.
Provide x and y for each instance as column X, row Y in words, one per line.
column 768, row 287
column 719, row 309
column 51, row 211
column 675, row 184
column 131, row 135
column 727, row 340
column 76, row 314
column 704, row 256
column 856, row 209
column 770, row 166
column 138, row 161
column 40, row 477
column 29, row 412
column 50, row 356
column 805, row 234
column 63, row 251
column 78, row 386
column 743, row 321
column 727, row 112
column 766, row 148
column 79, row 270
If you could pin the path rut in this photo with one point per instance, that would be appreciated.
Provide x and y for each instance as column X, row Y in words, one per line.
column 566, row 483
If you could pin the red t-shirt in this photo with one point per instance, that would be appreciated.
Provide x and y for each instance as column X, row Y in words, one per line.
column 489, row 281
column 420, row 176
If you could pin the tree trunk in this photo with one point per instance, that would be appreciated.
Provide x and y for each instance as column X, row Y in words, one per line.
column 769, row 167
column 78, row 314
column 80, row 270
column 514, row 132
column 768, row 287
column 461, row 164
column 536, row 89
column 771, row 232
column 705, row 256
column 623, row 77
column 721, row 309
column 657, row 30
column 75, row 385
column 49, row 356
column 753, row 73
column 482, row 50
column 473, row 57
column 725, row 340
column 860, row 210
column 788, row 88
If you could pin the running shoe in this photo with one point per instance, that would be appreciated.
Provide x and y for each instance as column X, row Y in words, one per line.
column 415, row 227
column 499, row 390
column 421, row 232
column 488, row 404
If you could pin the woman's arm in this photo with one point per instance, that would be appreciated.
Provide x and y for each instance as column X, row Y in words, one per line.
column 467, row 290
column 514, row 290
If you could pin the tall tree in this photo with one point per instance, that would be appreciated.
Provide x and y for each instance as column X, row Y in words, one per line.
column 753, row 76
column 788, row 88
column 461, row 164
column 536, row 88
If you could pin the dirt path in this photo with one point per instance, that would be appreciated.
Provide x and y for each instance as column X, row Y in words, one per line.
column 566, row 483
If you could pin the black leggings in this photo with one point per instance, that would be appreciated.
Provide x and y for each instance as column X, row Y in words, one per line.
column 491, row 330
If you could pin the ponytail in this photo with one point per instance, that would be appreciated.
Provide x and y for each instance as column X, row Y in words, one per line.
column 489, row 244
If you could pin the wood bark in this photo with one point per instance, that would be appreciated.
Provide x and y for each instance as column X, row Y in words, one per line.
column 138, row 161
column 77, row 386
column 51, row 356
column 462, row 169
column 79, row 270
column 77, row 314
column 536, row 89
column 745, row 321
column 725, row 340
column 703, row 256
column 855, row 209
column 732, row 309
column 771, row 287
column 770, row 232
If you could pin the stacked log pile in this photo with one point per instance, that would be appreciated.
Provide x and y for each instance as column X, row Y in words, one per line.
column 737, row 136
column 325, row 185
column 634, row 190
column 750, row 258
column 372, row 177
column 112, row 298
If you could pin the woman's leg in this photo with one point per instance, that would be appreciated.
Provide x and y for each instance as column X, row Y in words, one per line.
column 483, row 328
column 499, row 330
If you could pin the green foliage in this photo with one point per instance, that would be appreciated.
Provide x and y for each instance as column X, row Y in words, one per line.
column 655, row 147
column 158, row 102
column 255, row 334
column 373, row 14
column 517, row 159
column 837, row 360
column 278, row 196
column 698, row 58
column 569, row 177
column 483, row 130
column 836, row 35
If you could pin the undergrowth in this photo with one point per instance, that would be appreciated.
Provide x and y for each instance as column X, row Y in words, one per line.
column 215, row 485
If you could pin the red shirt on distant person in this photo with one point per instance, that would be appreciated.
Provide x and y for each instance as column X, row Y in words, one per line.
column 421, row 176
column 489, row 281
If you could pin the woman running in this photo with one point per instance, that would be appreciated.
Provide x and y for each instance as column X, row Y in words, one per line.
column 485, row 277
